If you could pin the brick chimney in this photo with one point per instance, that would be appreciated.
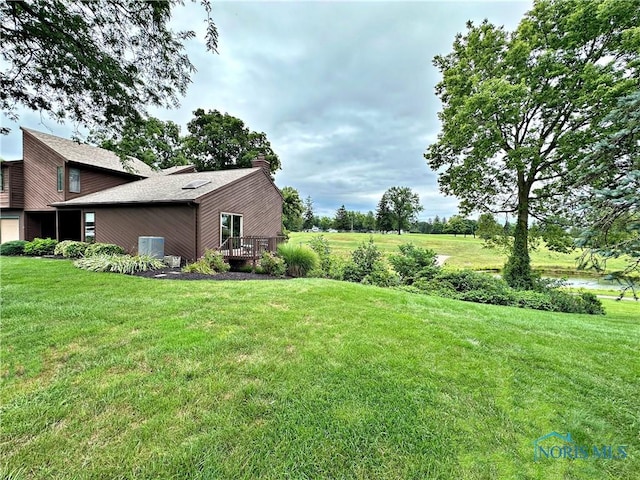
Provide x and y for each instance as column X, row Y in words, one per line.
column 261, row 162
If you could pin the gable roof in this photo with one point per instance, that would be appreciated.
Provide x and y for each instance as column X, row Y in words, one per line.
column 163, row 188
column 92, row 156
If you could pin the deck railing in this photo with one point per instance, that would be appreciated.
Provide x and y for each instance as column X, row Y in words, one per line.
column 249, row 248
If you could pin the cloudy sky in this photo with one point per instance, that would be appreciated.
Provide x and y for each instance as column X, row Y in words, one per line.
column 343, row 90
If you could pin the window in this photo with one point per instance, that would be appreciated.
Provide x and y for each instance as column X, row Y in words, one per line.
column 230, row 226
column 74, row 180
column 60, row 179
column 1, row 179
column 89, row 227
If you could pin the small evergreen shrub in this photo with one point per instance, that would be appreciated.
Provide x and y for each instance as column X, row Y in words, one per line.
column 414, row 262
column 272, row 264
column 14, row 247
column 126, row 264
column 210, row 263
column 104, row 249
column 40, row 246
column 299, row 259
column 70, row 249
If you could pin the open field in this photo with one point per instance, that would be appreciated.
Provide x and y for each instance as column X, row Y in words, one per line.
column 108, row 376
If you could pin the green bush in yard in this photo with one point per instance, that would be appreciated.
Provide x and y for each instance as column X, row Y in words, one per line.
column 363, row 261
column 126, row 264
column 210, row 263
column 13, row 247
column 477, row 287
column 414, row 262
column 272, row 264
column 104, row 249
column 40, row 246
column 299, row 259
column 71, row 249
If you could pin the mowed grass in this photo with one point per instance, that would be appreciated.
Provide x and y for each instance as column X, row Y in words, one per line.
column 464, row 252
column 109, row 376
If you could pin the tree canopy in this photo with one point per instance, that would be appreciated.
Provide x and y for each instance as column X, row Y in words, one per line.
column 95, row 63
column 292, row 209
column 610, row 204
column 219, row 141
column 155, row 142
column 398, row 207
column 521, row 109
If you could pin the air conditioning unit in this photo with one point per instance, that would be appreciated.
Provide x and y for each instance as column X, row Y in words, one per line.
column 152, row 246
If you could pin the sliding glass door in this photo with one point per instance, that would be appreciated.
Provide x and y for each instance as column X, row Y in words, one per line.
column 230, row 226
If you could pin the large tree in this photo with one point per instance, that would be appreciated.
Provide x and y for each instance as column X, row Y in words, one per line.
column 96, row 63
column 219, row 141
column 308, row 216
column 292, row 209
column 519, row 109
column 401, row 205
column 155, row 142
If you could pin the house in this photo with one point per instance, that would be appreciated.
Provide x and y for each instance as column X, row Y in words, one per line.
column 66, row 190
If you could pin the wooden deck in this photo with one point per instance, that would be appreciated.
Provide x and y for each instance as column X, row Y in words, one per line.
column 249, row 248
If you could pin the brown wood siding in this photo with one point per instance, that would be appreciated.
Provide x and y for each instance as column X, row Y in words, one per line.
column 123, row 225
column 16, row 185
column 13, row 194
column 5, row 201
column 40, row 174
column 92, row 180
column 255, row 197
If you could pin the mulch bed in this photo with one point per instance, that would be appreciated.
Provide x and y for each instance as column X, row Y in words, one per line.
column 176, row 274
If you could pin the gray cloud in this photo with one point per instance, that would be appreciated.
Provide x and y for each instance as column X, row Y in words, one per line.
column 343, row 90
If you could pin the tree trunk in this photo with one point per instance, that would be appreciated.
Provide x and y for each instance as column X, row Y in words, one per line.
column 517, row 271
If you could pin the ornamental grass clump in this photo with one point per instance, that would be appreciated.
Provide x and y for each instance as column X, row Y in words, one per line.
column 71, row 249
column 299, row 259
column 126, row 264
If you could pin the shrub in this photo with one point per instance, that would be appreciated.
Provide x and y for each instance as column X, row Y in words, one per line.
column 103, row 249
column 71, row 249
column 482, row 288
column 320, row 245
column 40, row 246
column 14, row 247
column 363, row 261
column 126, row 264
column 210, row 263
column 299, row 260
column 272, row 264
column 381, row 276
column 531, row 299
column 414, row 262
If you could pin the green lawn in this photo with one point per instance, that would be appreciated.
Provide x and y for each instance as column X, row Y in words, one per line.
column 108, row 376
column 465, row 252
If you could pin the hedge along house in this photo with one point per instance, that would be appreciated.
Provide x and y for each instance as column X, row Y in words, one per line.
column 191, row 211
column 55, row 169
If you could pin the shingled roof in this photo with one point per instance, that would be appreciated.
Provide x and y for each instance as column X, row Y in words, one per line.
column 98, row 157
column 163, row 188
